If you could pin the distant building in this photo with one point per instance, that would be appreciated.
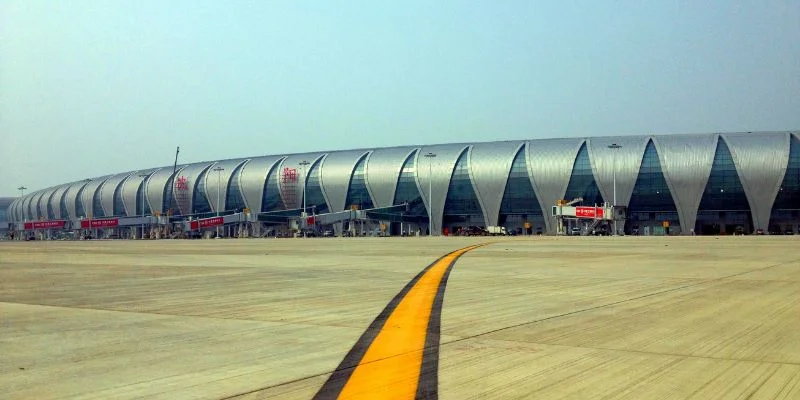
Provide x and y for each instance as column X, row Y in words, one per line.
column 5, row 202
column 704, row 183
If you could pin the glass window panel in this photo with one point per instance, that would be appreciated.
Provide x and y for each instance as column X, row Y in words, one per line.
column 200, row 204
column 724, row 190
column 461, row 200
column 234, row 200
column 357, row 193
column 520, row 204
column 582, row 183
column 97, row 205
column 315, row 198
column 407, row 191
column 271, row 197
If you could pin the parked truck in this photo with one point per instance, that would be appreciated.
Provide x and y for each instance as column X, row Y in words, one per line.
column 496, row 230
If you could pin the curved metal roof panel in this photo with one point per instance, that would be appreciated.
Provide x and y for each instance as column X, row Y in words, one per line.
column 71, row 198
column 626, row 160
column 33, row 203
column 107, row 190
column 130, row 190
column 435, row 174
column 335, row 173
column 490, row 165
column 36, row 203
column 11, row 211
column 155, row 187
column 550, row 163
column 87, row 196
column 212, row 180
column 761, row 162
column 26, row 200
column 293, row 161
column 253, row 177
column 382, row 172
column 55, row 201
column 686, row 162
column 191, row 173
column 49, row 205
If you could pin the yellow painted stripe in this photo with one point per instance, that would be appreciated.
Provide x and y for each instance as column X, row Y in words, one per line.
column 391, row 366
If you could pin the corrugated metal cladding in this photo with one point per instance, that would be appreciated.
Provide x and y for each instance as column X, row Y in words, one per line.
column 130, row 190
column 686, row 162
column 252, row 179
column 335, row 175
column 550, row 165
column 760, row 159
column 212, row 180
column 489, row 165
column 434, row 173
column 383, row 171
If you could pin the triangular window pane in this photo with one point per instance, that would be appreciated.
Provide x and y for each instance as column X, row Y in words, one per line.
column 520, row 210
column 462, row 208
column 582, row 183
column 407, row 191
column 234, row 201
column 314, row 195
column 651, row 202
column 271, row 197
column 786, row 209
column 724, row 207
column 357, row 193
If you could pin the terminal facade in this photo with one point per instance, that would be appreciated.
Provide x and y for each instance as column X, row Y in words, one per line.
column 667, row 184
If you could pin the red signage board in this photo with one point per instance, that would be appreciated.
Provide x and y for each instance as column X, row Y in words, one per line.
column 99, row 223
column 589, row 212
column 205, row 223
column 45, row 225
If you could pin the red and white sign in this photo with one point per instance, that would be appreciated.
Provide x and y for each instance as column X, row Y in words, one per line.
column 589, row 212
column 99, row 223
column 182, row 183
column 45, row 225
column 208, row 222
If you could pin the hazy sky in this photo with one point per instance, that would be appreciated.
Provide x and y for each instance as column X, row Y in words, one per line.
column 89, row 88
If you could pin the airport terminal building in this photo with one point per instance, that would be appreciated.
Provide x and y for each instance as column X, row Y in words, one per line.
column 668, row 184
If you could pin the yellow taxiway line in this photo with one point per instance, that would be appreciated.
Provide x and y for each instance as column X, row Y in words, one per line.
column 397, row 357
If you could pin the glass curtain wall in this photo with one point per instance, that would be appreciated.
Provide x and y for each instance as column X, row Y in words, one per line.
column 62, row 204
column 97, row 205
column 234, row 201
column 581, row 182
column 357, row 193
column 724, row 208
column 142, row 208
column 79, row 211
column 50, row 212
column 461, row 208
column 119, row 205
column 520, row 210
column 785, row 217
column 315, row 198
column 651, row 203
column 271, row 197
column 407, row 191
column 200, row 203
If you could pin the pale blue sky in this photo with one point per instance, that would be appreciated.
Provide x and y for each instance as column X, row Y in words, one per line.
column 89, row 88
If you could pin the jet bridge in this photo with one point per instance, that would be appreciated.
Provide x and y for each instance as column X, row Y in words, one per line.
column 583, row 220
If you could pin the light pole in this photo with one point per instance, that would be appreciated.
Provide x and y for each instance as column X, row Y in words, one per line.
column 144, row 179
column 21, row 195
column 430, row 156
column 219, row 186
column 303, row 165
column 614, row 147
